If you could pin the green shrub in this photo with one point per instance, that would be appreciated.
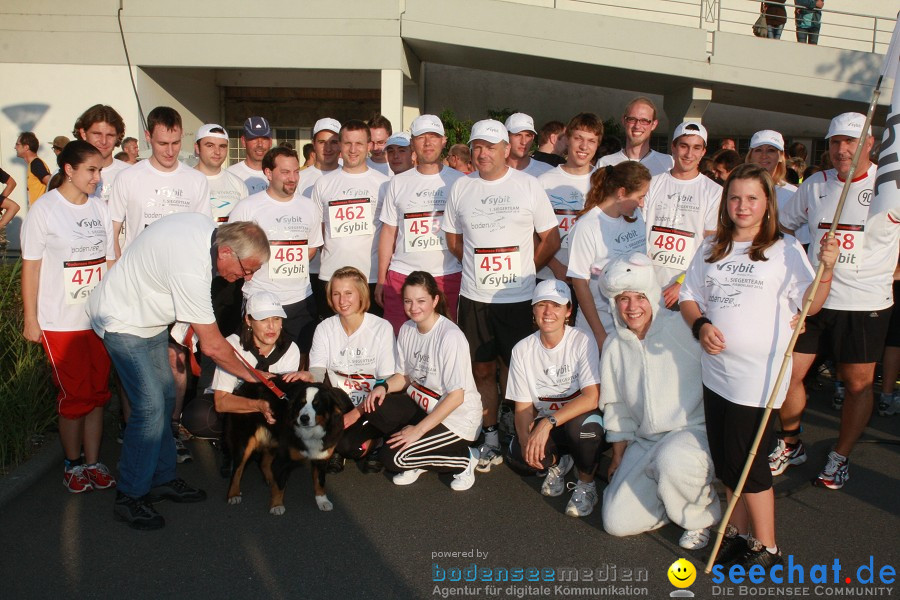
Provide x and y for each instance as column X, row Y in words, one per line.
column 27, row 407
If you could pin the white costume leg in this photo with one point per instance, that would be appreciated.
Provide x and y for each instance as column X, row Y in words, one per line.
column 631, row 504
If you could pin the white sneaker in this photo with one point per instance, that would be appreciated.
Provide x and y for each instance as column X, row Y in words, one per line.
column 463, row 481
column 488, row 457
column 555, row 481
column 694, row 539
column 407, row 477
column 583, row 499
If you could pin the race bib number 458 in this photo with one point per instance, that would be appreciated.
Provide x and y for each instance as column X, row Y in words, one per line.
column 498, row 268
column 81, row 277
column 850, row 242
column 351, row 217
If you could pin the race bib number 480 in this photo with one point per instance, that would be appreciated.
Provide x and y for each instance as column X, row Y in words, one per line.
column 498, row 268
column 566, row 221
column 288, row 259
column 422, row 232
column 81, row 277
column 670, row 247
column 850, row 241
column 351, row 217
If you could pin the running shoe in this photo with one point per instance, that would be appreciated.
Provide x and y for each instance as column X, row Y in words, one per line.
column 176, row 490
column 555, row 481
column 99, row 476
column 137, row 512
column 76, row 481
column 583, row 500
column 466, row 479
column 837, row 401
column 758, row 555
column 784, row 455
column 836, row 472
column 733, row 547
column 182, row 454
column 408, row 477
column 887, row 404
column 489, row 456
column 694, row 539
column 335, row 463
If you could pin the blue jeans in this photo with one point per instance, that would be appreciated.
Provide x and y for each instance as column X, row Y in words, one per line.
column 774, row 33
column 148, row 448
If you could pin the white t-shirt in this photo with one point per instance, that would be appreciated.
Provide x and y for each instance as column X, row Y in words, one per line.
column 383, row 168
column 143, row 194
column 308, row 178
column 73, row 243
column 549, row 378
column 537, row 168
column 108, row 177
column 414, row 204
column 752, row 304
column 596, row 240
column 566, row 192
column 676, row 213
column 293, row 228
column 225, row 191
column 497, row 220
column 656, row 162
column 783, row 193
column 863, row 275
column 256, row 180
column 350, row 204
column 356, row 361
column 163, row 277
column 438, row 363
column 226, row 382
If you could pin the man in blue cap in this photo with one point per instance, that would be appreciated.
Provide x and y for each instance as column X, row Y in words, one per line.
column 256, row 140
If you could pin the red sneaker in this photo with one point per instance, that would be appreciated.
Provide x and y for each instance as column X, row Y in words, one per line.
column 76, row 481
column 99, row 476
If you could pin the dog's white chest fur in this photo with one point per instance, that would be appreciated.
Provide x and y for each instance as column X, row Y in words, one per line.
column 313, row 435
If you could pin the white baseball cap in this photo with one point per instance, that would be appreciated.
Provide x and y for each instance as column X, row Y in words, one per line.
column 519, row 122
column 690, row 128
column 553, row 290
column 401, row 138
column 263, row 305
column 849, row 124
column 489, row 130
column 426, row 124
column 767, row 137
column 206, row 131
column 327, row 124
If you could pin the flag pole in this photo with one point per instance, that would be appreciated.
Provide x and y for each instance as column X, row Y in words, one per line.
column 736, row 495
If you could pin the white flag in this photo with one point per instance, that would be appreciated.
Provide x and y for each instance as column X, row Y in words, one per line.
column 892, row 58
column 884, row 211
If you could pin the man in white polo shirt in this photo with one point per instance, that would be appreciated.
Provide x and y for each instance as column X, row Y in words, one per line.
column 225, row 188
column 640, row 122
column 411, row 236
column 521, row 136
column 256, row 140
column 853, row 323
column 399, row 153
column 681, row 208
column 490, row 223
column 294, row 228
column 350, row 199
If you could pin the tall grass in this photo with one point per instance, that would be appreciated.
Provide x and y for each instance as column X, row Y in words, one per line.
column 27, row 406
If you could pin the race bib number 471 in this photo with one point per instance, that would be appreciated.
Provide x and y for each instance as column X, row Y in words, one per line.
column 81, row 277
column 351, row 217
column 498, row 268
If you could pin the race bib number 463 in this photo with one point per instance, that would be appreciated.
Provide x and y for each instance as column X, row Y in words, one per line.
column 422, row 232
column 351, row 217
column 81, row 277
column 498, row 268
column 288, row 259
column 850, row 242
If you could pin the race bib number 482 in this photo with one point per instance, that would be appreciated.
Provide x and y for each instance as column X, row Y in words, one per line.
column 288, row 259
column 351, row 217
column 81, row 277
column 498, row 268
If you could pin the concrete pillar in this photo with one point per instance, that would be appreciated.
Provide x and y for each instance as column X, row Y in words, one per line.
column 412, row 106
column 686, row 104
column 392, row 96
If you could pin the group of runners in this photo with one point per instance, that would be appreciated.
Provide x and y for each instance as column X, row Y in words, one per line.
column 430, row 295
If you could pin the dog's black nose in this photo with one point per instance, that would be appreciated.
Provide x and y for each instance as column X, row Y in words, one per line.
column 304, row 419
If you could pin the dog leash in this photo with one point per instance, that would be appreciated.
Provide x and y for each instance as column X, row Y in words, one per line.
column 261, row 378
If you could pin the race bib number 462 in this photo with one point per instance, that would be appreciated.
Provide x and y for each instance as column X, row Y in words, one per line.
column 81, row 277
column 288, row 259
column 422, row 232
column 351, row 217
column 498, row 268
column 850, row 242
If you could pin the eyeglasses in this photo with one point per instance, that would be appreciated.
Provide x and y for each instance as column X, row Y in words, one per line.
column 635, row 121
column 246, row 272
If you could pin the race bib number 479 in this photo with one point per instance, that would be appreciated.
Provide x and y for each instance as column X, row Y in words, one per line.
column 351, row 217
column 81, row 277
column 498, row 268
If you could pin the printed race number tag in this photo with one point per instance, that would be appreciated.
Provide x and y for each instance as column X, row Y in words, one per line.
column 566, row 221
column 288, row 259
column 422, row 232
column 81, row 277
column 850, row 241
column 498, row 268
column 357, row 385
column 426, row 399
column 670, row 247
column 350, row 217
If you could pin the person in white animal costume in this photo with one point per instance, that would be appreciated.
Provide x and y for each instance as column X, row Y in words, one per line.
column 652, row 403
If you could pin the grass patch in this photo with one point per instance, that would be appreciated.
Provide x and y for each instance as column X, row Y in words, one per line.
column 27, row 407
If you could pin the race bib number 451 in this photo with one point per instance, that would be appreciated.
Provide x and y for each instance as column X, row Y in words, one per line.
column 81, row 277
column 351, row 217
column 422, row 232
column 288, row 259
column 498, row 268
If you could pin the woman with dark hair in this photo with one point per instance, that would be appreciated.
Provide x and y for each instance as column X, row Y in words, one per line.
column 429, row 412
column 67, row 247
column 742, row 288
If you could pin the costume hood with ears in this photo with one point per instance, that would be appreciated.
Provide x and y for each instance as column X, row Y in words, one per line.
column 633, row 273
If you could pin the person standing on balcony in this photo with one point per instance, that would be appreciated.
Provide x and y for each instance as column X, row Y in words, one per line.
column 776, row 17
column 639, row 121
column 808, row 17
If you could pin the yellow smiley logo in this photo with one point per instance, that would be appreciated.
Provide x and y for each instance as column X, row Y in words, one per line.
column 682, row 573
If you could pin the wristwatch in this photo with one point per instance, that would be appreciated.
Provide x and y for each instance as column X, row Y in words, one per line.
column 552, row 420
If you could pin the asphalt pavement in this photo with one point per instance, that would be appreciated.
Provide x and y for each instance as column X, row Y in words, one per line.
column 385, row 541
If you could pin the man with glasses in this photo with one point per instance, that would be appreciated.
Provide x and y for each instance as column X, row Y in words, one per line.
column 640, row 122
column 163, row 277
